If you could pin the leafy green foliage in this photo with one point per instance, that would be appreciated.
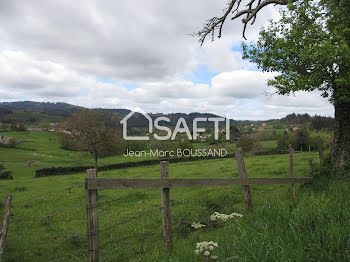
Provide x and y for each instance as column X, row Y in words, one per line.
column 96, row 132
column 5, row 174
column 248, row 145
column 308, row 47
column 301, row 139
column 320, row 122
column 12, row 142
column 267, row 135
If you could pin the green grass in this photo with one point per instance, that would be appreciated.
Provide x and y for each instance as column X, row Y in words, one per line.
column 48, row 217
column 268, row 145
column 43, row 148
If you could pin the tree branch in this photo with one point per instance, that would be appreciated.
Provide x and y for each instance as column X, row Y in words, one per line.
column 214, row 23
column 250, row 12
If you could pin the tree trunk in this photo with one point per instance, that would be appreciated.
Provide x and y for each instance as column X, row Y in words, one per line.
column 342, row 133
column 96, row 161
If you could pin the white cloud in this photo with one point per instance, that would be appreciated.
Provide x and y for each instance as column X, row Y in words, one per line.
column 240, row 83
column 20, row 72
column 64, row 49
column 299, row 102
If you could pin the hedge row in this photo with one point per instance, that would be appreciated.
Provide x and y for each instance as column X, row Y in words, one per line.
column 52, row 171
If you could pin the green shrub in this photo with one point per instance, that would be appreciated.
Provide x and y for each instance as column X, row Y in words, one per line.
column 248, row 145
column 5, row 174
column 12, row 142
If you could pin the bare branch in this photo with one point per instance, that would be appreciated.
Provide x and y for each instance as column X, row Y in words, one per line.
column 215, row 23
column 233, row 7
column 252, row 12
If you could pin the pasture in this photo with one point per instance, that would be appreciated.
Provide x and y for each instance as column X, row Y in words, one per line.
column 48, row 217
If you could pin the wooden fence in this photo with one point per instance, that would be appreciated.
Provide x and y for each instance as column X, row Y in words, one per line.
column 5, row 224
column 93, row 184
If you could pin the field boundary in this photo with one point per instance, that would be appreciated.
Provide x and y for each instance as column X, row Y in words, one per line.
column 93, row 184
column 54, row 171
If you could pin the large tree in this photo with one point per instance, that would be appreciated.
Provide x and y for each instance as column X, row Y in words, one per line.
column 309, row 48
column 96, row 131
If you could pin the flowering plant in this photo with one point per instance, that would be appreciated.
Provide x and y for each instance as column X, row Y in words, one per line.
column 205, row 248
column 197, row 225
column 224, row 217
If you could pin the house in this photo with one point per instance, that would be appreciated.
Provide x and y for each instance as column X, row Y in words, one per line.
column 66, row 132
column 4, row 140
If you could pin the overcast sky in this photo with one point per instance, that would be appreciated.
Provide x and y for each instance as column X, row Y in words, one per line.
column 137, row 54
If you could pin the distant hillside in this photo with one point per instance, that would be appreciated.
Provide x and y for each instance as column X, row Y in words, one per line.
column 44, row 107
column 8, row 114
column 316, row 122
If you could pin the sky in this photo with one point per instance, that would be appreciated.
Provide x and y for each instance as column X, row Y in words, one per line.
column 138, row 55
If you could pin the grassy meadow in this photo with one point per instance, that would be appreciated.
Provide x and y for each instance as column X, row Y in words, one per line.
column 48, row 216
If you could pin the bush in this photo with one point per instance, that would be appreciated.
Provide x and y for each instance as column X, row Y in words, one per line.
column 5, row 174
column 248, row 145
column 301, row 139
column 67, row 142
column 184, row 144
column 12, row 142
column 326, row 170
column 284, row 140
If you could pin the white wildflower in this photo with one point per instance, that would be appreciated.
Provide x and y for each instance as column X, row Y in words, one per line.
column 237, row 215
column 204, row 247
column 224, row 217
column 197, row 225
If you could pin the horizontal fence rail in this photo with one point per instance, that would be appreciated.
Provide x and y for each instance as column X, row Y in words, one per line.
column 93, row 184
column 124, row 183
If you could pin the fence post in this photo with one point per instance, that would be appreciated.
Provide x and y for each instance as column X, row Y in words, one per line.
column 311, row 165
column 167, row 224
column 291, row 175
column 320, row 152
column 5, row 224
column 92, row 219
column 243, row 175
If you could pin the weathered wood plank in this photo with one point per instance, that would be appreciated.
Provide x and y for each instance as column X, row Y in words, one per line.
column 5, row 224
column 92, row 219
column 243, row 175
column 124, row 183
column 167, row 223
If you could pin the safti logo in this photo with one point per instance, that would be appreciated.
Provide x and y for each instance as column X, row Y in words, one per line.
column 181, row 127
